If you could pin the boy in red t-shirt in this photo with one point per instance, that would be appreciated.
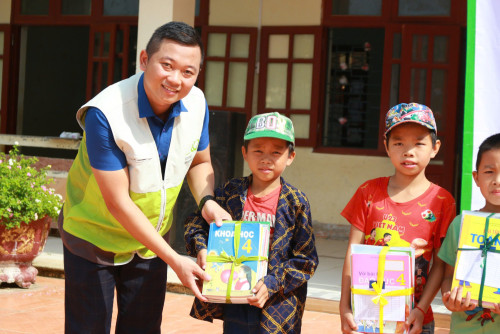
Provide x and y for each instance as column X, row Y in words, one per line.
column 414, row 211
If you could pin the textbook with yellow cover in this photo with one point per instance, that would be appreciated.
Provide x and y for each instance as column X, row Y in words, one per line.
column 237, row 255
column 477, row 267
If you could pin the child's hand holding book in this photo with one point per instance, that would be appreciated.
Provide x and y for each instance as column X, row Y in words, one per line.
column 261, row 295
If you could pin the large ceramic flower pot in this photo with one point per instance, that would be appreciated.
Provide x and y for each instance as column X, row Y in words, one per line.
column 18, row 248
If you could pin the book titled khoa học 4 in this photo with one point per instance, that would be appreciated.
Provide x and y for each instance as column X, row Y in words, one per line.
column 240, row 248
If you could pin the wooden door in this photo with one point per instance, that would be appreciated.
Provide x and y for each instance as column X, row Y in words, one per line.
column 429, row 75
column 101, row 58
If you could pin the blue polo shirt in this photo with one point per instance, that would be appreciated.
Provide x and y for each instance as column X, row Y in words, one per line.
column 103, row 152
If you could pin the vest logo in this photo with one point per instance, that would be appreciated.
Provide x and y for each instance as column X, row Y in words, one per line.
column 194, row 146
column 192, row 152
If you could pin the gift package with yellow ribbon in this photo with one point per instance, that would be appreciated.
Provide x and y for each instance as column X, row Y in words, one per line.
column 382, row 287
column 237, row 254
column 477, row 267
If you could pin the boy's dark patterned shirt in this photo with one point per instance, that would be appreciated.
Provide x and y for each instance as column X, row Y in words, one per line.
column 292, row 256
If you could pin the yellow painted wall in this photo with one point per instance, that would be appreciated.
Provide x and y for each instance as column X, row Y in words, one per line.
column 154, row 13
column 245, row 13
column 5, row 8
column 330, row 180
column 291, row 12
column 241, row 13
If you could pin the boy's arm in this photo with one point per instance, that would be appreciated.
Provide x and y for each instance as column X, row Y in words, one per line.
column 447, row 279
column 195, row 233
column 300, row 267
column 435, row 278
column 356, row 236
column 416, row 317
column 453, row 299
column 196, row 228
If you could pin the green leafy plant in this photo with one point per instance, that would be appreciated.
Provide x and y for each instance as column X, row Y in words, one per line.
column 25, row 194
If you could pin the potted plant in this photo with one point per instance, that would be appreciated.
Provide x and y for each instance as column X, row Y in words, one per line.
column 27, row 206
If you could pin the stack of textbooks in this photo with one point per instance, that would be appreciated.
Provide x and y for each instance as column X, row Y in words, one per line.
column 237, row 254
column 382, row 284
column 478, row 258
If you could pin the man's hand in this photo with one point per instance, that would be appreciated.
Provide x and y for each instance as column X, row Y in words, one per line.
column 415, row 321
column 347, row 323
column 454, row 302
column 261, row 295
column 190, row 274
column 213, row 212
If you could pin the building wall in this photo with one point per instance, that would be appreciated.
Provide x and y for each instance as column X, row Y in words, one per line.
column 5, row 8
column 249, row 13
column 293, row 12
column 329, row 180
column 154, row 13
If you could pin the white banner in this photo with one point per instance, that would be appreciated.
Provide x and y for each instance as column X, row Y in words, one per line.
column 486, row 88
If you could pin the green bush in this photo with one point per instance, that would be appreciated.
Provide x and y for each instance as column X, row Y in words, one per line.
column 24, row 192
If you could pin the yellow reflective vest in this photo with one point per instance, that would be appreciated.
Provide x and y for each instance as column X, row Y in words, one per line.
column 87, row 220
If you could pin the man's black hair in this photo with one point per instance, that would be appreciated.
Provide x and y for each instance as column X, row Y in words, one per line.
column 490, row 143
column 178, row 32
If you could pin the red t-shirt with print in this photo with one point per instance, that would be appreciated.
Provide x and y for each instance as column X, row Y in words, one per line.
column 420, row 223
column 262, row 209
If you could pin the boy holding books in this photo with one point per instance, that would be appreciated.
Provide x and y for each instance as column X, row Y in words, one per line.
column 467, row 316
column 279, row 298
column 414, row 211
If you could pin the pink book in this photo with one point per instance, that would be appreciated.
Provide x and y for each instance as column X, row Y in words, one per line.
column 398, row 281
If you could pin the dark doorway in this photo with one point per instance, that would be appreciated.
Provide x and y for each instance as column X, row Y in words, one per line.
column 52, row 82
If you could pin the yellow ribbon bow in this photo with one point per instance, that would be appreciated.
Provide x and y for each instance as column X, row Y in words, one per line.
column 377, row 289
column 380, row 296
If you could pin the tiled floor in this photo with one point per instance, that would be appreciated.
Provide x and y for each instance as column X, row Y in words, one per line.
column 40, row 310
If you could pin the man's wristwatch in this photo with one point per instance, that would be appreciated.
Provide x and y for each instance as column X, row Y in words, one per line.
column 204, row 200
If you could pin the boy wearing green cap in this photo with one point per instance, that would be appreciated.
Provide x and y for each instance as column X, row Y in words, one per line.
column 279, row 298
column 413, row 210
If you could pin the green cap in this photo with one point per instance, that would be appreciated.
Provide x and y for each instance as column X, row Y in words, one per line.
column 273, row 125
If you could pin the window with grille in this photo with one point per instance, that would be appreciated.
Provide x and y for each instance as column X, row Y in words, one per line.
column 353, row 88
